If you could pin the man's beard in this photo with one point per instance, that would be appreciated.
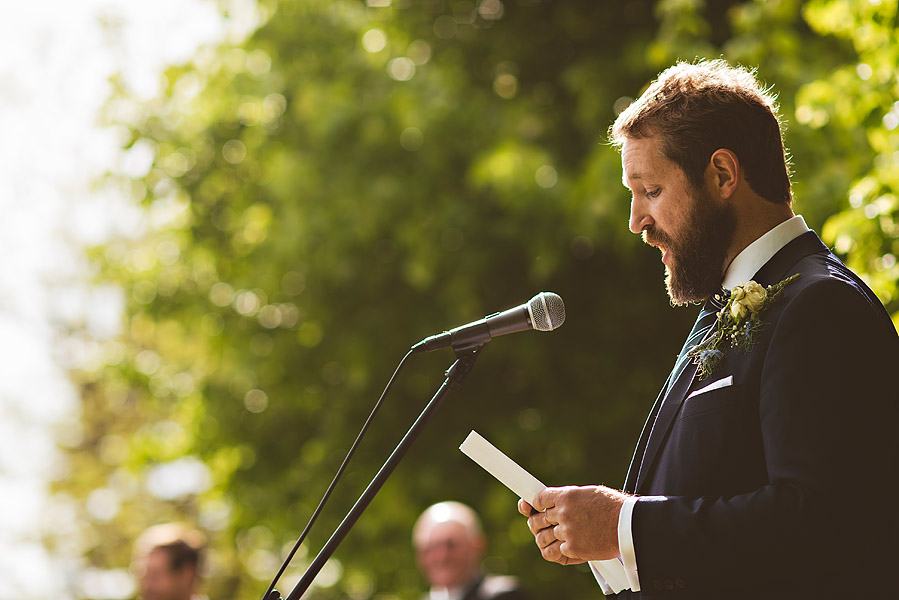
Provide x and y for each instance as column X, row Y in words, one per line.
column 696, row 252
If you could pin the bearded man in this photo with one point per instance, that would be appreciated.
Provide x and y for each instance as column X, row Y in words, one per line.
column 766, row 468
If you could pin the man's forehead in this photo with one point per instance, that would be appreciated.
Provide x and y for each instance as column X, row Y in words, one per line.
column 157, row 559
column 441, row 533
column 641, row 158
column 448, row 529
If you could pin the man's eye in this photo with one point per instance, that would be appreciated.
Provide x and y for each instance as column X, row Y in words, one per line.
column 653, row 193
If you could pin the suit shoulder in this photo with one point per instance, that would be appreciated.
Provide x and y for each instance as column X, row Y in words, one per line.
column 823, row 278
column 829, row 304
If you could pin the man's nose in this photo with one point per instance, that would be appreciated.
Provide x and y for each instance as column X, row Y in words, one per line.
column 640, row 218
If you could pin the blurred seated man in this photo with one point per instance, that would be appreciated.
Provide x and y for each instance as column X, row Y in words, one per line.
column 450, row 544
column 167, row 562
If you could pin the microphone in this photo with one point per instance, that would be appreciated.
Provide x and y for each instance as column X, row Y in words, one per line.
column 543, row 312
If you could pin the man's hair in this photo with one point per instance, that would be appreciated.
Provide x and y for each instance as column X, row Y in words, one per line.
column 182, row 545
column 181, row 555
column 697, row 108
column 442, row 512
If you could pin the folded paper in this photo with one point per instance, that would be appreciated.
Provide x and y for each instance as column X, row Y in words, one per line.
column 609, row 573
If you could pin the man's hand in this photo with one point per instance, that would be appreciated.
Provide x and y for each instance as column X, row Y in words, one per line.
column 572, row 525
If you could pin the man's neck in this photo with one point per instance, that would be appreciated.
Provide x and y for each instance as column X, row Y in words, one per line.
column 762, row 217
column 755, row 255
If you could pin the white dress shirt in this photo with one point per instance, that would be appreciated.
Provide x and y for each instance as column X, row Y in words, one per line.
column 741, row 269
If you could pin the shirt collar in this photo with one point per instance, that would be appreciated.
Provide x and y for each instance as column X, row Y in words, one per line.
column 442, row 593
column 755, row 255
column 454, row 593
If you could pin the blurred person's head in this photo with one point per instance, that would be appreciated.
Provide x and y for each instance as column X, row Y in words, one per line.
column 449, row 544
column 167, row 561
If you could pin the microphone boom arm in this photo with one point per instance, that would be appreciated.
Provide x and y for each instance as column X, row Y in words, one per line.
column 455, row 375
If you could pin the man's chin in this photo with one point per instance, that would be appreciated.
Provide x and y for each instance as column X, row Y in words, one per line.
column 680, row 294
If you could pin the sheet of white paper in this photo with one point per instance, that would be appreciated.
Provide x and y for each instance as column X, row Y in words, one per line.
column 506, row 470
column 514, row 477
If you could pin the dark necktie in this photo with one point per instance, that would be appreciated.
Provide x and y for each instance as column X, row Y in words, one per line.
column 707, row 318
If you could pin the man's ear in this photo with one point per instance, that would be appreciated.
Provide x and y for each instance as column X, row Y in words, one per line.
column 725, row 169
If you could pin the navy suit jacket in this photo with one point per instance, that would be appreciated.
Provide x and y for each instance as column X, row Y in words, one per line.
column 784, row 484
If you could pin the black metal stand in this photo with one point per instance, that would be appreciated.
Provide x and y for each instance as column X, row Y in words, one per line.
column 455, row 375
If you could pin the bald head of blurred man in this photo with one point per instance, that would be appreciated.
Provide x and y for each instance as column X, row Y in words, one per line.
column 449, row 544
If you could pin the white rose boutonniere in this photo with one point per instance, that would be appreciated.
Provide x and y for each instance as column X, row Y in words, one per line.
column 738, row 324
column 747, row 298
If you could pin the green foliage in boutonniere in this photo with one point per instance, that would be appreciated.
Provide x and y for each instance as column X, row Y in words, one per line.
column 738, row 324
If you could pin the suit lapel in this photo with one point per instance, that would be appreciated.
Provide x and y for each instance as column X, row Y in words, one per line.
column 659, row 430
column 630, row 482
column 473, row 592
column 654, row 436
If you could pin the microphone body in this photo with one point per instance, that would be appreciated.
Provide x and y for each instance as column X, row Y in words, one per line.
column 543, row 312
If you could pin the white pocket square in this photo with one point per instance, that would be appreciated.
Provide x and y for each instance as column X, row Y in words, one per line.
column 721, row 383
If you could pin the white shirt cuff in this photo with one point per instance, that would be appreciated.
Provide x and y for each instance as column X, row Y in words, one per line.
column 626, row 543
column 603, row 585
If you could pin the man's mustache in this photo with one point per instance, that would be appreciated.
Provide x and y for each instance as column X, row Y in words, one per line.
column 654, row 236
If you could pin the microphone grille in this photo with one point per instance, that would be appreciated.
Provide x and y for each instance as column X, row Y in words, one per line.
column 547, row 311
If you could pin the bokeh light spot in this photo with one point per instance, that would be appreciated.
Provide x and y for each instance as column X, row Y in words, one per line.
column 864, row 71
column 178, row 478
column 255, row 401
column 374, row 40
column 411, row 138
column 401, row 69
column 293, row 283
column 490, row 10
column 269, row 316
column 234, row 151
column 221, row 294
column 419, row 51
column 103, row 504
column 546, row 176
column 445, row 27
column 505, row 85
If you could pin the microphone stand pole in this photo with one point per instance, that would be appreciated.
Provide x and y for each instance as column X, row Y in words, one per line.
column 455, row 375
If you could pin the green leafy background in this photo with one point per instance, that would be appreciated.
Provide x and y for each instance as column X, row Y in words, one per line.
column 354, row 177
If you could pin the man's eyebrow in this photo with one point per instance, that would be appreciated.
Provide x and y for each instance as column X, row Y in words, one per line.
column 625, row 177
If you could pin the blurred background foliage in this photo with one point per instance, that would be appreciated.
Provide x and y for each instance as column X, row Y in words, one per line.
column 356, row 176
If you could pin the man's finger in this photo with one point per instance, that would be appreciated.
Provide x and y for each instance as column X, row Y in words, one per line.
column 537, row 522
column 526, row 509
column 544, row 499
column 545, row 538
column 566, row 551
column 552, row 553
column 560, row 533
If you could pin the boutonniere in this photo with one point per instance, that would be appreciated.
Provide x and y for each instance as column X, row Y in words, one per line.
column 738, row 323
